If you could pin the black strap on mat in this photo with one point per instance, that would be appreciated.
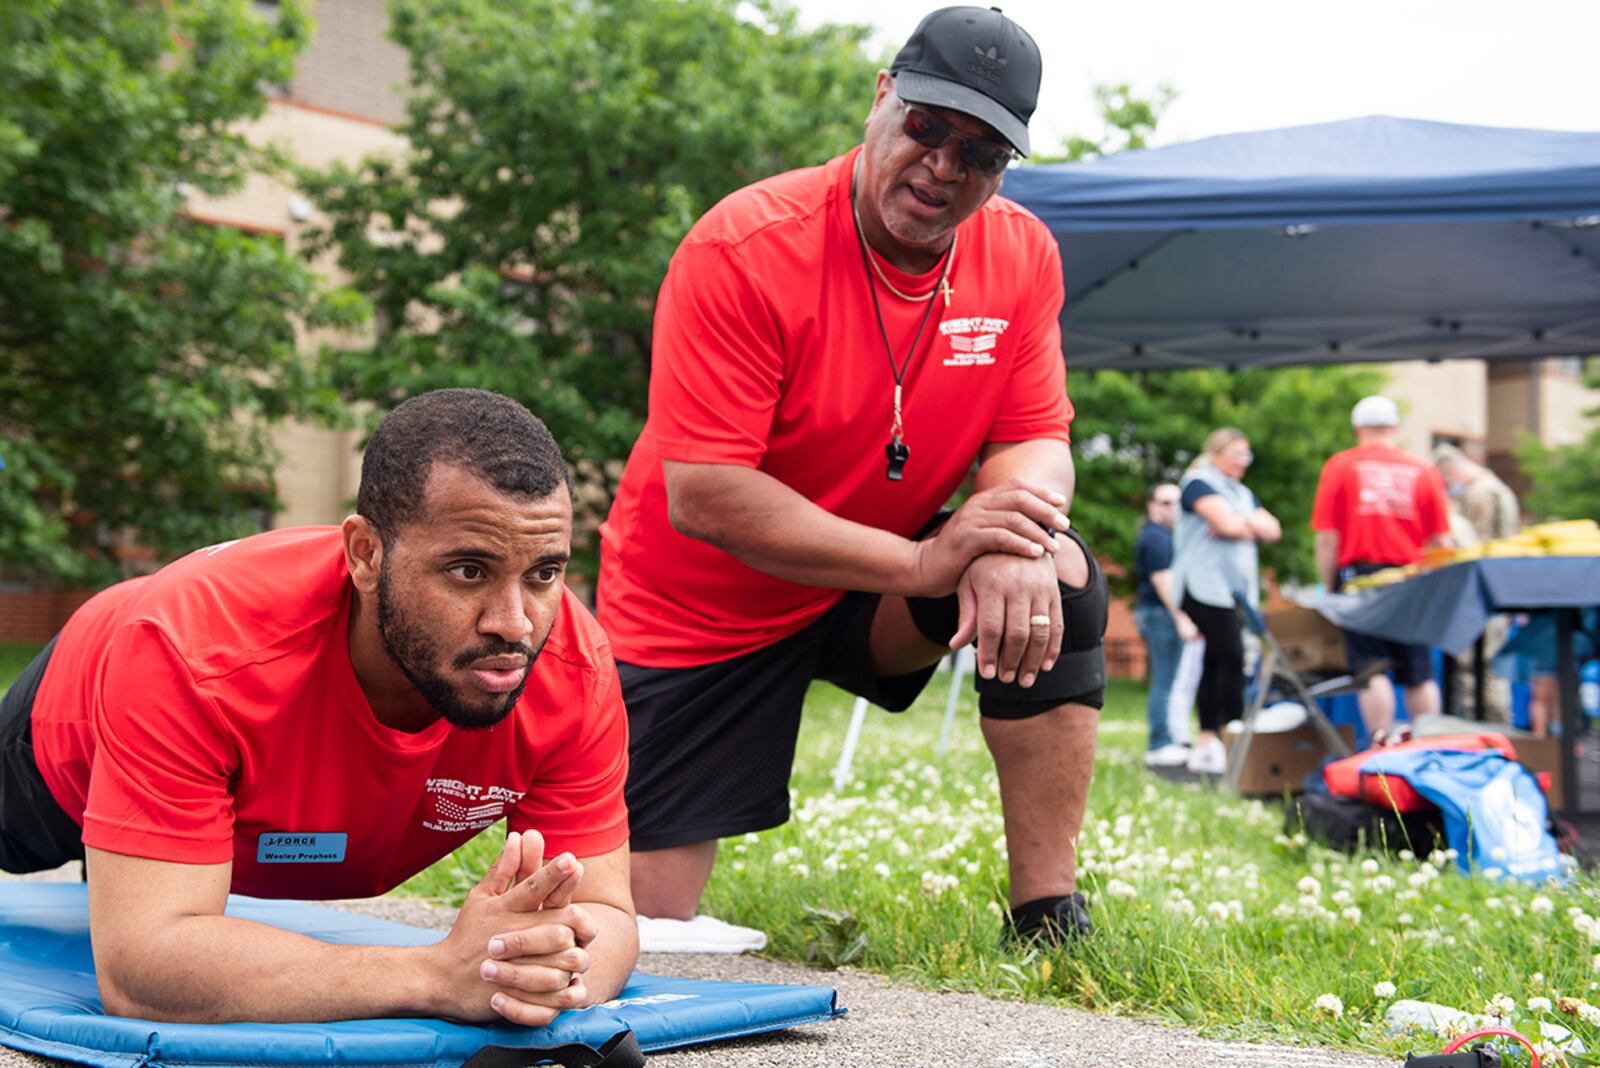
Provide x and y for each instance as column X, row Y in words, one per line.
column 1479, row 1056
column 619, row 1051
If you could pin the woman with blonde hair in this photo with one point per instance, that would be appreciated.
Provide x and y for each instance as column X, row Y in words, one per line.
column 1214, row 557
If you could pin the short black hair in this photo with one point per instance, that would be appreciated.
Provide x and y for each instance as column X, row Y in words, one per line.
column 488, row 435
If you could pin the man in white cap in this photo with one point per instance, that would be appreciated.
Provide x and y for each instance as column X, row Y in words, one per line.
column 834, row 349
column 1378, row 506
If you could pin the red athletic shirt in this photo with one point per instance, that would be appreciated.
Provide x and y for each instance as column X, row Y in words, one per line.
column 767, row 355
column 1383, row 502
column 210, row 713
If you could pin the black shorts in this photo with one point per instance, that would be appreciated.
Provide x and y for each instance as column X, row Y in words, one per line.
column 711, row 746
column 35, row 835
column 1410, row 664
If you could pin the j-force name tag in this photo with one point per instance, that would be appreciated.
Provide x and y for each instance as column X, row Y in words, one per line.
column 295, row 847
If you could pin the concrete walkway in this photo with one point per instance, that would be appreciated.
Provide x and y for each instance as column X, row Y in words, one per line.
column 895, row 1024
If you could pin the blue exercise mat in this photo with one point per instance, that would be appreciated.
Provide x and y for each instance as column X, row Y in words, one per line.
column 50, row 1006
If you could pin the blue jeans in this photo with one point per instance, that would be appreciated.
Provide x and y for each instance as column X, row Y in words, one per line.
column 1164, row 649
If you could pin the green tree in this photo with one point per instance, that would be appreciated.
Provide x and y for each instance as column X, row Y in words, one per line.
column 1566, row 479
column 141, row 354
column 558, row 154
column 1134, row 429
column 1137, row 428
column 1128, row 121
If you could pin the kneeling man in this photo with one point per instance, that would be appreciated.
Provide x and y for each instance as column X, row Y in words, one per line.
column 324, row 712
column 835, row 349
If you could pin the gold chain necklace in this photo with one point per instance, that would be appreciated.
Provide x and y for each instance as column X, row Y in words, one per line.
column 941, row 286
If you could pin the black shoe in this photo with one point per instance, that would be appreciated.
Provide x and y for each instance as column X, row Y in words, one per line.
column 1056, row 920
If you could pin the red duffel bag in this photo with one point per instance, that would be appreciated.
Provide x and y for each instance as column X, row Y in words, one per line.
column 1345, row 779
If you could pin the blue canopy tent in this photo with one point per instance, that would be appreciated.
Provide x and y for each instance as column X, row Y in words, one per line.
column 1370, row 239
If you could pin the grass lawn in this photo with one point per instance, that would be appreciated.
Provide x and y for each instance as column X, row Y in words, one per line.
column 13, row 658
column 1207, row 912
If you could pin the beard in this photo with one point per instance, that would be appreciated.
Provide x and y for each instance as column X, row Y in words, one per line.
column 416, row 653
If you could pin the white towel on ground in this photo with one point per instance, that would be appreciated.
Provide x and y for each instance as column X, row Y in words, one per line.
column 703, row 934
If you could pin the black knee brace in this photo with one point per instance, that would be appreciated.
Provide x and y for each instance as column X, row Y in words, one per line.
column 1079, row 673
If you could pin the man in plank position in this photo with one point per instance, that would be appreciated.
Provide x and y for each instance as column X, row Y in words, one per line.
column 321, row 712
column 834, row 348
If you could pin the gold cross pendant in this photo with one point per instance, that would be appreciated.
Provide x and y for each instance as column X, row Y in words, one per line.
column 946, row 291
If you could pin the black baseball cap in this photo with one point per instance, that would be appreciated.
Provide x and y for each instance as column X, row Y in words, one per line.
column 976, row 61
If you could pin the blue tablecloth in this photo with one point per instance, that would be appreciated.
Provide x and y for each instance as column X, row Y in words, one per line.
column 1449, row 607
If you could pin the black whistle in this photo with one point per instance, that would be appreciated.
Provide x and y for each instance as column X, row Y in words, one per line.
column 897, row 452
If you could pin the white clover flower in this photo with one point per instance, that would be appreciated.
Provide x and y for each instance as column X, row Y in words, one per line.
column 1309, row 887
column 1182, row 906
column 1501, row 1006
column 1493, row 874
column 1438, row 859
column 1369, row 867
column 1541, row 906
column 1538, row 1004
column 1283, row 911
column 1499, row 854
column 1405, row 919
column 1330, row 1005
column 1118, row 888
column 1406, row 856
column 1342, row 897
column 799, row 871
column 1352, row 916
column 751, row 839
column 1589, row 1014
column 738, row 866
column 994, row 907
column 1493, row 903
column 1594, row 962
column 1217, row 911
column 1384, row 990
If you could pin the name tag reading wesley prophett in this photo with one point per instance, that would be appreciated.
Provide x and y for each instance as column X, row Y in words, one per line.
column 290, row 847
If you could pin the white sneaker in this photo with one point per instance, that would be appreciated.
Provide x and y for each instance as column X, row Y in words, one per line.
column 1209, row 758
column 1171, row 755
column 703, row 934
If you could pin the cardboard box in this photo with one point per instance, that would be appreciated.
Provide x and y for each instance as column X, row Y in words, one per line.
column 1280, row 762
column 1541, row 754
column 1310, row 643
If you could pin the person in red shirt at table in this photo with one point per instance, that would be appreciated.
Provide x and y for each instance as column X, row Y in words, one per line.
column 1378, row 506
column 322, row 712
column 834, row 349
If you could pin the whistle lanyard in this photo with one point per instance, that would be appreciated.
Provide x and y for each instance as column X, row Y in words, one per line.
column 896, row 452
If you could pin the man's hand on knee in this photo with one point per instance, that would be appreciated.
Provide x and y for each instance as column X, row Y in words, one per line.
column 1012, row 605
column 1013, row 519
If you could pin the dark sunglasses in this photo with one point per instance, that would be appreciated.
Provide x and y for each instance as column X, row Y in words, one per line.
column 980, row 154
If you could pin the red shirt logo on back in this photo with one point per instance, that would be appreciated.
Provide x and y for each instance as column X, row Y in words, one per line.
column 1386, row 489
